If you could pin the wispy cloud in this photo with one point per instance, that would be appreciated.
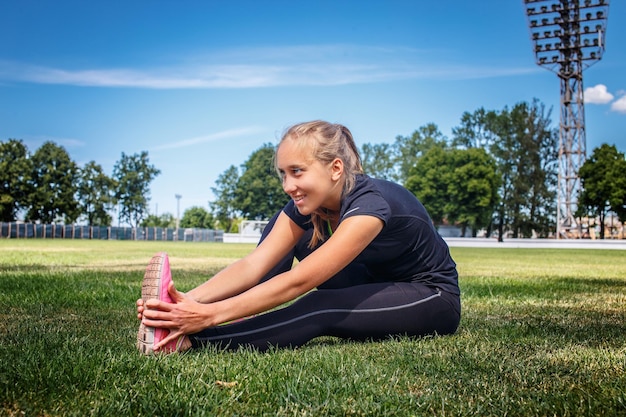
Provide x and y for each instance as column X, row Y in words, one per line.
column 33, row 142
column 225, row 134
column 266, row 67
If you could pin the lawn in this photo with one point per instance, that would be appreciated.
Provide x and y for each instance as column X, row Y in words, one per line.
column 543, row 333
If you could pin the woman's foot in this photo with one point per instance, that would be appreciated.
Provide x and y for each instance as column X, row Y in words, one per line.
column 154, row 286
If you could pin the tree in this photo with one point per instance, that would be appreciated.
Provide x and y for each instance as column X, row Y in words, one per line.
column 164, row 220
column 259, row 194
column 53, row 180
column 603, row 184
column 474, row 131
column 428, row 179
column 457, row 185
column 538, row 169
column 96, row 194
column 133, row 174
column 378, row 161
column 197, row 217
column 524, row 148
column 407, row 150
column 15, row 177
column 223, row 208
column 472, row 193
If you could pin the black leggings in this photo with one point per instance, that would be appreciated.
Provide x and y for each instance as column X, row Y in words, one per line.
column 345, row 306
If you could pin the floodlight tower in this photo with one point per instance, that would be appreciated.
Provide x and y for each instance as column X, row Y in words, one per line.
column 178, row 197
column 568, row 37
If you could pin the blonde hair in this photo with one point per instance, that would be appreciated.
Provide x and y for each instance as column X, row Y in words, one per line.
column 327, row 141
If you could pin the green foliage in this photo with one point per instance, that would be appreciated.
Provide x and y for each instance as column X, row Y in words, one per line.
column 429, row 179
column 197, row 217
column 524, row 148
column 408, row 150
column 378, row 161
column 542, row 334
column 223, row 208
column 15, row 178
column 96, row 193
column 604, row 184
column 53, row 182
column 133, row 174
column 164, row 220
column 473, row 190
column 458, row 185
column 259, row 193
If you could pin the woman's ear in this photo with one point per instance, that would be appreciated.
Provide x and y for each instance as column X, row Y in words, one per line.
column 336, row 169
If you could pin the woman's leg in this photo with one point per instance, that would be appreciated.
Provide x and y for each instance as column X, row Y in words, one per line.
column 371, row 311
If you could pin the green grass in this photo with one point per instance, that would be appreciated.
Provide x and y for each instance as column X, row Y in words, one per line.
column 543, row 333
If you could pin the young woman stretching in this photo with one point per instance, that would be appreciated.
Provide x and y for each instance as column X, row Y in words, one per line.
column 366, row 247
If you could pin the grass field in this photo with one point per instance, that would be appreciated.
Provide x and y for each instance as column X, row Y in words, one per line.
column 543, row 334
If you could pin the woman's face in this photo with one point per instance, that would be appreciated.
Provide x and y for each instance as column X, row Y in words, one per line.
column 307, row 181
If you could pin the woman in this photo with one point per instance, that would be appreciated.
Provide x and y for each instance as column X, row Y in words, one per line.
column 367, row 247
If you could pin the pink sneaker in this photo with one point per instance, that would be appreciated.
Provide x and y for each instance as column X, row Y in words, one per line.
column 154, row 285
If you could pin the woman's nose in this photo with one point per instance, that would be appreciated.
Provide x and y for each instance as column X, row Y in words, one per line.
column 288, row 185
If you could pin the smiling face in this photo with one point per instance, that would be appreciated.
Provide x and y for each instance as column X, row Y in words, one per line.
column 311, row 184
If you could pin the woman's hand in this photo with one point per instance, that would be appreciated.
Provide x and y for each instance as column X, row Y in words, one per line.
column 182, row 317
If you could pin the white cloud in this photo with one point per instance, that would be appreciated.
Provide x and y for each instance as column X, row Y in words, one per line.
column 307, row 65
column 619, row 105
column 226, row 134
column 597, row 95
column 34, row 142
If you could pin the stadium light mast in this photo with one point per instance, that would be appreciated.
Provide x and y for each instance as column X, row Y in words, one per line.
column 178, row 197
column 568, row 36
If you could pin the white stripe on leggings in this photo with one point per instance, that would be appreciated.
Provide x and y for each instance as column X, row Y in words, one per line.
column 334, row 310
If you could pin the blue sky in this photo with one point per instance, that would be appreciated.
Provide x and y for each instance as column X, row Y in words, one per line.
column 201, row 85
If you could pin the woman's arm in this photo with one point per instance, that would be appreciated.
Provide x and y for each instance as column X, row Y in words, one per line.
column 349, row 240
column 246, row 272
column 187, row 316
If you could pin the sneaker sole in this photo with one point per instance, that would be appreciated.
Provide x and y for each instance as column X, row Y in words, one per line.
column 152, row 287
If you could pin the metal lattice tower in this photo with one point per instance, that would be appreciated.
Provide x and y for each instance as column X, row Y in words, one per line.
column 568, row 37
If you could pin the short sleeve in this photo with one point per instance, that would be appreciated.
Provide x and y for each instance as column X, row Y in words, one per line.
column 304, row 222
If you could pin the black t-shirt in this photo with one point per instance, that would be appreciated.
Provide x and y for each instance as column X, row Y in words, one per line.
column 408, row 248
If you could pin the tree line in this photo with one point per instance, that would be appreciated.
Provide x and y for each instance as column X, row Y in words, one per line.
column 498, row 173
column 47, row 186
